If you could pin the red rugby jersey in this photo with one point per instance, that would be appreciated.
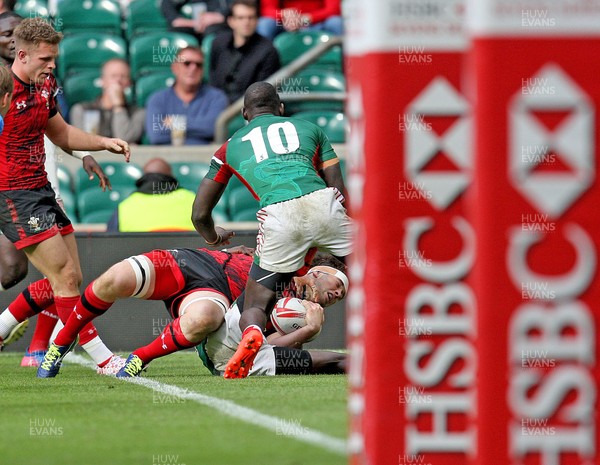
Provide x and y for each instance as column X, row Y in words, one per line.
column 22, row 153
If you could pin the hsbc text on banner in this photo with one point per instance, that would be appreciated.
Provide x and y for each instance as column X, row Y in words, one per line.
column 538, row 227
column 411, row 310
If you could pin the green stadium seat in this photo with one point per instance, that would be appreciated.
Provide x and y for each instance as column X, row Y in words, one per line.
column 122, row 176
column 155, row 52
column 73, row 16
column 78, row 52
column 190, row 174
column 145, row 86
column 331, row 122
column 206, row 47
column 83, row 87
column 99, row 216
column 292, row 45
column 65, row 179
column 94, row 200
column 32, row 9
column 68, row 199
column 143, row 16
column 309, row 81
column 241, row 200
column 248, row 214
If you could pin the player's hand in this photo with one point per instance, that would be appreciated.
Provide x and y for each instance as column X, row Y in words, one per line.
column 315, row 317
column 240, row 249
column 91, row 167
column 117, row 146
column 223, row 237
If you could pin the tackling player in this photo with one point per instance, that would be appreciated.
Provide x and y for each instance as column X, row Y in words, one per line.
column 197, row 287
column 290, row 167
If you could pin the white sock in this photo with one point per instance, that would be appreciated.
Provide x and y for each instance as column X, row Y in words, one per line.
column 97, row 350
column 1, row 288
column 7, row 323
column 59, row 325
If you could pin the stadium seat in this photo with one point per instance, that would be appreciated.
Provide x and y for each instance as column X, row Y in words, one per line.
column 145, row 86
column 143, row 16
column 292, row 45
column 309, row 81
column 156, row 51
column 94, row 200
column 206, row 47
column 65, row 179
column 99, row 216
column 190, row 174
column 241, row 200
column 121, row 175
column 83, row 51
column 82, row 87
column 68, row 199
column 32, row 9
column 73, row 16
column 249, row 214
column 332, row 123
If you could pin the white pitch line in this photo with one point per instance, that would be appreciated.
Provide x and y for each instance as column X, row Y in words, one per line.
column 277, row 425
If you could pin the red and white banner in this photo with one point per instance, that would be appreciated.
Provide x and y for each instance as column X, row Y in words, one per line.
column 536, row 67
column 411, row 311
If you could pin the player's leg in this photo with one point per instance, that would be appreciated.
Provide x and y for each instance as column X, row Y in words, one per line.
column 13, row 264
column 201, row 313
column 44, row 326
column 13, row 269
column 327, row 362
column 260, row 297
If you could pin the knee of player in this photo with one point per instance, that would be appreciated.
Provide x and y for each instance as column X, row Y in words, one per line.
column 203, row 319
column 13, row 272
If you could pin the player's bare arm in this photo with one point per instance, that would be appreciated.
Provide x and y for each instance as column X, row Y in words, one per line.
column 332, row 174
column 69, row 137
column 315, row 318
column 209, row 193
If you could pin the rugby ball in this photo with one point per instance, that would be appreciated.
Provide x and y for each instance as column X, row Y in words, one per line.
column 288, row 315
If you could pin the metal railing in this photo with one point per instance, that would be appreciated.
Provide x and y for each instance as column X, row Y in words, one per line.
column 312, row 55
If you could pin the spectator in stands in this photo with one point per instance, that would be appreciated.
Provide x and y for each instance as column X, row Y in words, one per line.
column 158, row 204
column 7, row 5
column 294, row 15
column 240, row 57
column 187, row 111
column 110, row 115
column 208, row 16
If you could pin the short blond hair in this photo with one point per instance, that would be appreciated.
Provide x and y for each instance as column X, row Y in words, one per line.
column 34, row 31
column 6, row 81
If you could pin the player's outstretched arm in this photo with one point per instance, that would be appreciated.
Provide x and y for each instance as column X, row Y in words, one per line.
column 332, row 175
column 209, row 193
column 294, row 340
column 69, row 137
column 91, row 167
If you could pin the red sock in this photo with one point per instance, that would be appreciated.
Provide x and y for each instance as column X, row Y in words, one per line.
column 46, row 321
column 88, row 307
column 171, row 340
column 88, row 333
column 35, row 298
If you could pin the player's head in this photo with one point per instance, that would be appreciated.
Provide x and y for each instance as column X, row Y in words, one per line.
column 326, row 282
column 6, row 89
column 116, row 72
column 9, row 20
column 36, row 44
column 261, row 98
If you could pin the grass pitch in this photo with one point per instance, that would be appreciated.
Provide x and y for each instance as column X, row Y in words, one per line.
column 81, row 417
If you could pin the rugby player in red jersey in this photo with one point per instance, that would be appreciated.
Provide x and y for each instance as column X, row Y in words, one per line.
column 30, row 217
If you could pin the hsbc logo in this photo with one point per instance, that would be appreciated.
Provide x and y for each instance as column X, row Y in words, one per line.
column 424, row 143
column 561, row 124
